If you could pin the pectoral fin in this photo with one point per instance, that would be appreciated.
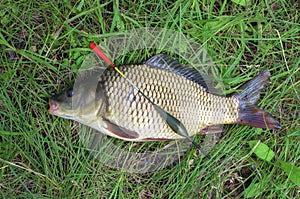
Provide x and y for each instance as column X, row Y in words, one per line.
column 119, row 131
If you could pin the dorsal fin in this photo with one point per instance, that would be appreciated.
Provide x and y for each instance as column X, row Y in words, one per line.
column 165, row 62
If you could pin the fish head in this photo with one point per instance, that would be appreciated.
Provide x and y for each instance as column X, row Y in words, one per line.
column 81, row 103
column 61, row 104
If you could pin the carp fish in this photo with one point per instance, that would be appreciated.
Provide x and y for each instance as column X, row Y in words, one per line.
column 115, row 108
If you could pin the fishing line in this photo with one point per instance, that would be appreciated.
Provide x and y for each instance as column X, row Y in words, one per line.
column 173, row 122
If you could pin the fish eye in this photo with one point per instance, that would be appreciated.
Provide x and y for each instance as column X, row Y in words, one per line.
column 70, row 92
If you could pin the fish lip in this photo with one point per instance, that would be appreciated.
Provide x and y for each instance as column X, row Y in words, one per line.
column 53, row 106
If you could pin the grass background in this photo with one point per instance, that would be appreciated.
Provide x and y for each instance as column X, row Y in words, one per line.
column 42, row 45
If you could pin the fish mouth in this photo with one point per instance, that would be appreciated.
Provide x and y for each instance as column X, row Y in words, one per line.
column 53, row 107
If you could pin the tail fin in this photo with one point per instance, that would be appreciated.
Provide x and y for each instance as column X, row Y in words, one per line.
column 249, row 113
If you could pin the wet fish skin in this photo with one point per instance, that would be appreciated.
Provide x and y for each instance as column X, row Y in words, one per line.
column 185, row 100
column 121, row 112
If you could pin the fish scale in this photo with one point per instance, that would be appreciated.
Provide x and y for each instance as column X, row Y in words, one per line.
column 182, row 98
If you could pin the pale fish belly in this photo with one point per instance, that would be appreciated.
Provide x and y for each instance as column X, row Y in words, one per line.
column 182, row 98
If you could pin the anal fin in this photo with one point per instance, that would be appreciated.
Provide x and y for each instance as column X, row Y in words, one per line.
column 212, row 129
column 155, row 139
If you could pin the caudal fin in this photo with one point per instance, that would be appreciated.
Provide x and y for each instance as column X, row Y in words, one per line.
column 249, row 113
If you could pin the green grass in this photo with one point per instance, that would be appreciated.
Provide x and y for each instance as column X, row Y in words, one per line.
column 42, row 46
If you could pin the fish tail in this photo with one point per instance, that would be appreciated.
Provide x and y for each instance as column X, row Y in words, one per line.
column 249, row 113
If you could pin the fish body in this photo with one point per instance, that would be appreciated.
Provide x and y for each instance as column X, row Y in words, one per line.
column 114, row 107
